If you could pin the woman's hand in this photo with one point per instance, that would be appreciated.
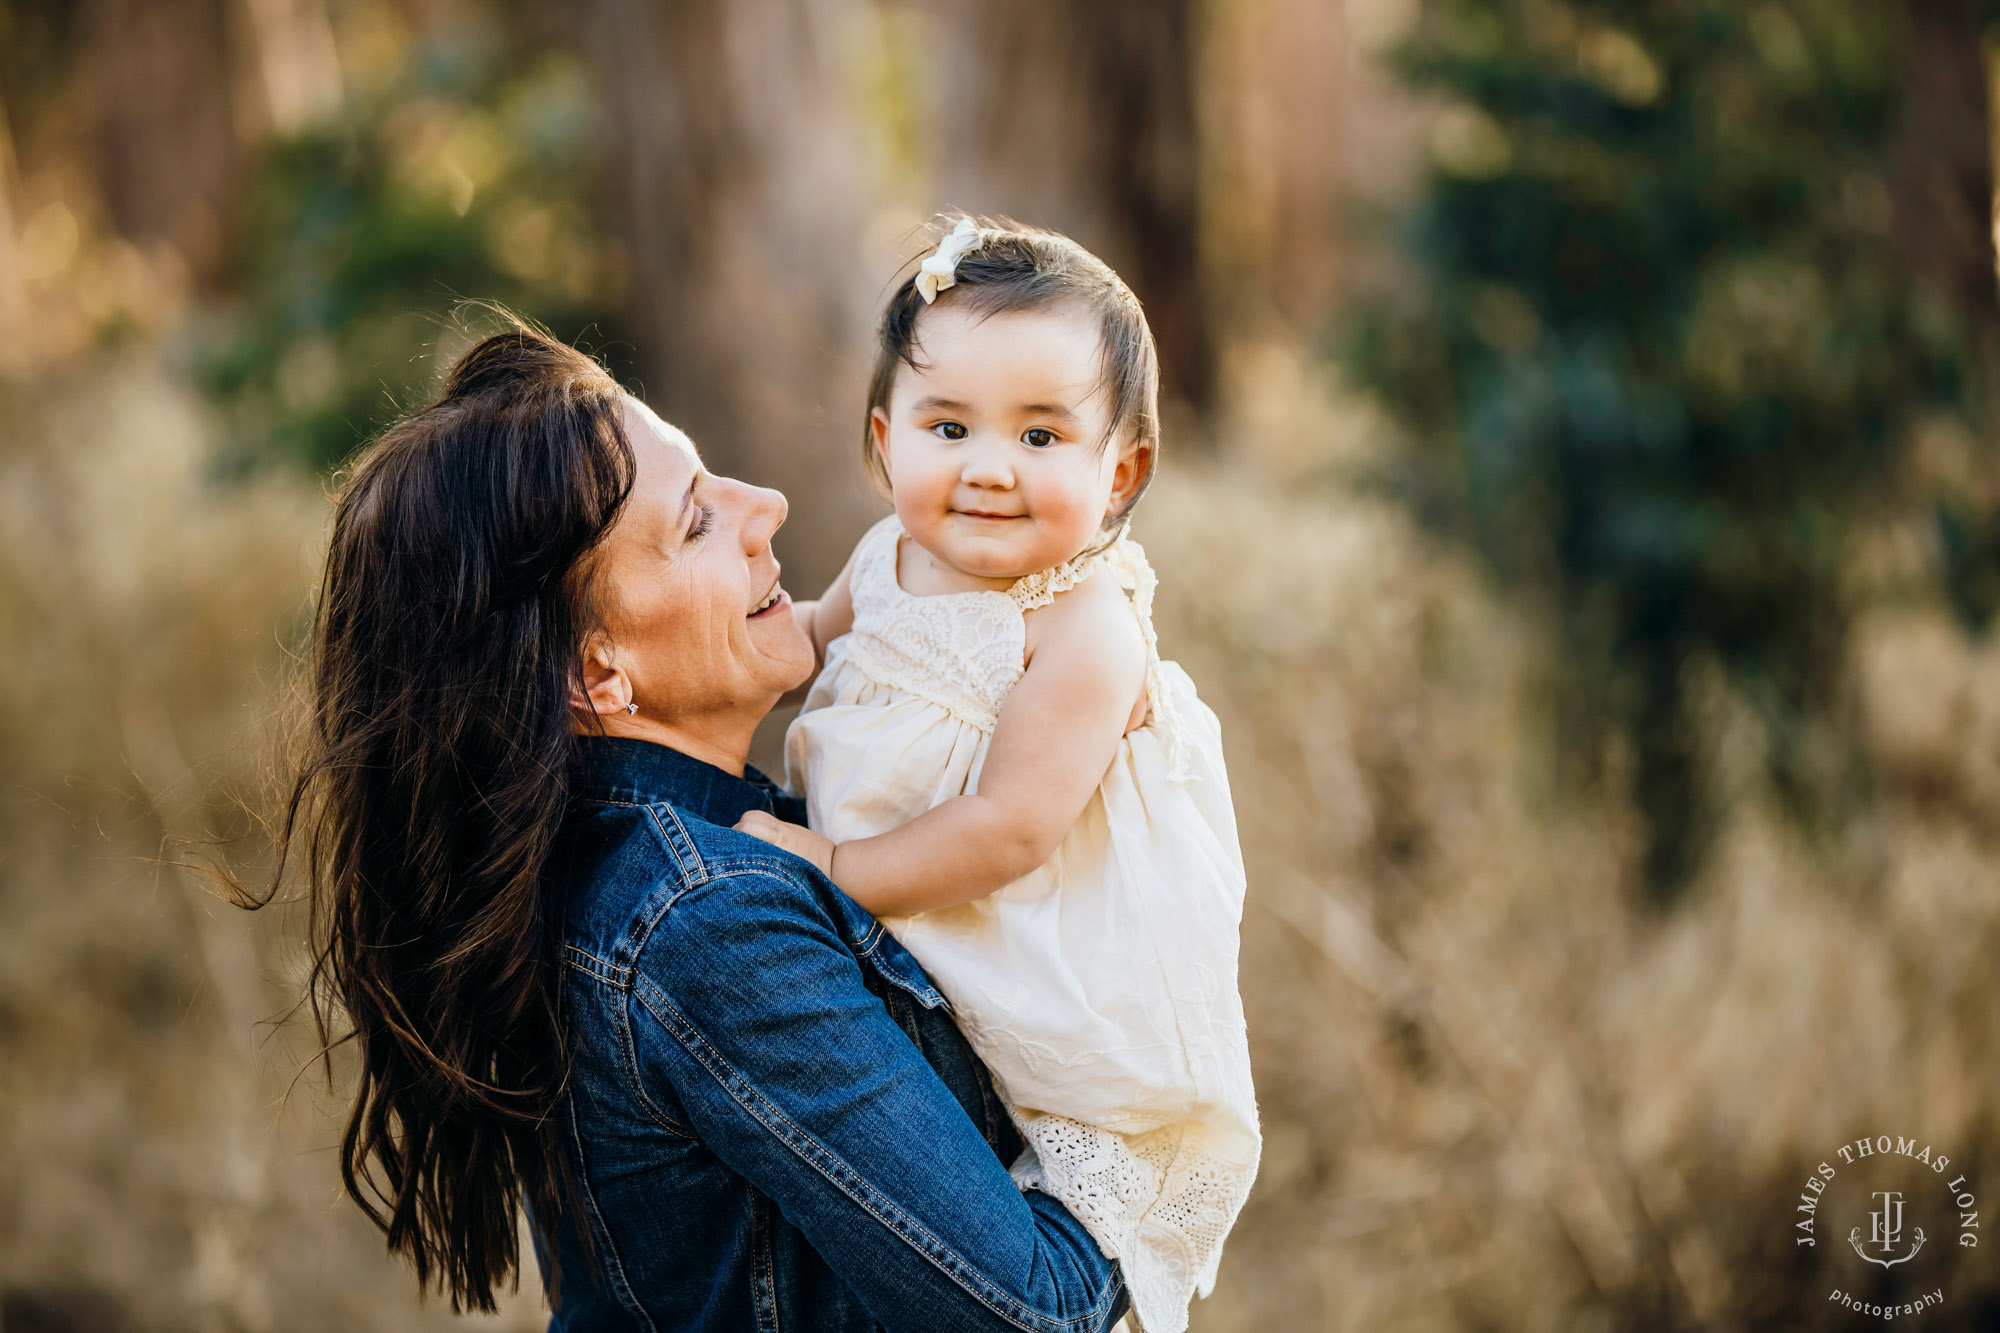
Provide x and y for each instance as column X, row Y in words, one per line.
column 1142, row 713
column 801, row 842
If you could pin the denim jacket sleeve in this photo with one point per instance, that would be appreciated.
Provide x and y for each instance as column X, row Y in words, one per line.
column 752, row 1012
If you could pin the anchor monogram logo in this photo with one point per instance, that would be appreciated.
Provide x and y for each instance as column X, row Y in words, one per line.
column 1889, row 1159
column 1885, row 1231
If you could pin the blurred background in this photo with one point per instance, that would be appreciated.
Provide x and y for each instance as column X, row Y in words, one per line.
column 1580, row 501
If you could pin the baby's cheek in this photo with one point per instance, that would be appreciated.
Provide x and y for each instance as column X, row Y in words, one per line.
column 931, row 488
column 1073, row 510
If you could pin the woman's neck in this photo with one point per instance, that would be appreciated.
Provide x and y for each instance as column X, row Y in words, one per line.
column 721, row 742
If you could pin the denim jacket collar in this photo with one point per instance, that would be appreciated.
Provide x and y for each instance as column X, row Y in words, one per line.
column 619, row 768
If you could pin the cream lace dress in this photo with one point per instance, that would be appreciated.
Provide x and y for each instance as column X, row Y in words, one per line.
column 1101, row 989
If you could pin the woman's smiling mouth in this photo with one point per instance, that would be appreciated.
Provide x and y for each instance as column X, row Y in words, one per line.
column 771, row 602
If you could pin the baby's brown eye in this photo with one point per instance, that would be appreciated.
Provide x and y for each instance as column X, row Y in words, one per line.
column 1039, row 438
column 950, row 430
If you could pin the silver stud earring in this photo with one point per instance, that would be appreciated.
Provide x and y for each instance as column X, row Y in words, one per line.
column 631, row 708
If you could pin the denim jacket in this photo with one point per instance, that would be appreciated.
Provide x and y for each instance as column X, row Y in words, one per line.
column 776, row 1125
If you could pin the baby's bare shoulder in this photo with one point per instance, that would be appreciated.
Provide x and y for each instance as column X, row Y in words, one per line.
column 1094, row 617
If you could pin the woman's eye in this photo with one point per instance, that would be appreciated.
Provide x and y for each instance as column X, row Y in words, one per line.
column 950, row 430
column 1039, row 437
column 704, row 520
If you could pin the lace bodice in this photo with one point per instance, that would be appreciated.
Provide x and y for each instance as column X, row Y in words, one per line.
column 964, row 651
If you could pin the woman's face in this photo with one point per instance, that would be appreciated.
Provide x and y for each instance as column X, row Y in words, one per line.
column 700, row 632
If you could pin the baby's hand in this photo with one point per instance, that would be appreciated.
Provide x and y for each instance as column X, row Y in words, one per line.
column 791, row 837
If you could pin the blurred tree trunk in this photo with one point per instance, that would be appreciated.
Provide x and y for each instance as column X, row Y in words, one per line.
column 1295, row 119
column 13, row 295
column 1143, row 152
column 160, row 85
column 729, row 142
column 1941, row 166
column 1083, row 117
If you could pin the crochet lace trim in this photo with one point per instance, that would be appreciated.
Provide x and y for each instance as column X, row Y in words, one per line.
column 1126, row 559
column 964, row 651
column 1153, row 1201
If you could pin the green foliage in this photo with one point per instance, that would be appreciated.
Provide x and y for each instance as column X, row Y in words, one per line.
column 462, row 172
column 1661, row 348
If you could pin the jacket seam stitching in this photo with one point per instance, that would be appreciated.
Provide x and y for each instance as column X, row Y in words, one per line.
column 630, row 1060
column 927, row 995
column 695, row 872
column 691, row 863
column 766, row 1279
column 612, row 982
column 689, row 869
column 587, row 955
column 904, row 1227
column 873, row 941
column 626, row 1296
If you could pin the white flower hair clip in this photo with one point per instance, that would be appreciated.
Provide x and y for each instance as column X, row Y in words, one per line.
column 941, row 269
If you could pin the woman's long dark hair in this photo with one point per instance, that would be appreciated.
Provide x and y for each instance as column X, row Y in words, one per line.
column 436, row 769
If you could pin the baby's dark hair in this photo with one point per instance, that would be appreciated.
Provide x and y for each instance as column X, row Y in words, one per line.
column 1017, row 268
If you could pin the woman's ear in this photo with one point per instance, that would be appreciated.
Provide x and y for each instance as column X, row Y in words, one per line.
column 605, row 690
column 1135, row 465
column 878, row 426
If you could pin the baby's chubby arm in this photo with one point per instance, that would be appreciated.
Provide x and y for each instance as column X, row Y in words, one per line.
column 1055, row 737
column 823, row 621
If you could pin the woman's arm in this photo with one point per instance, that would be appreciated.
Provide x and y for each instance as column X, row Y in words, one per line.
column 823, row 621
column 748, row 1003
column 1055, row 737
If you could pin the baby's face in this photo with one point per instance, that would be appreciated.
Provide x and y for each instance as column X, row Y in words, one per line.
column 992, row 448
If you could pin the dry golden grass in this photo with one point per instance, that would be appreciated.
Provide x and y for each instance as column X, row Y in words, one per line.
column 152, row 1175
column 1499, row 1093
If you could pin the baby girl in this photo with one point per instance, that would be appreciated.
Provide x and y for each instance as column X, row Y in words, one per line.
column 998, row 764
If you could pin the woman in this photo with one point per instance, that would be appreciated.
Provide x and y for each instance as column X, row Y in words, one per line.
column 727, row 1098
